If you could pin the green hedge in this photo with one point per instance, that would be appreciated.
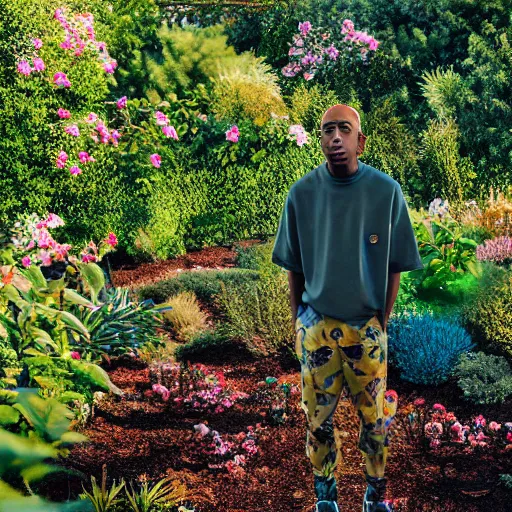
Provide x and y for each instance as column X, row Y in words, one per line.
column 206, row 285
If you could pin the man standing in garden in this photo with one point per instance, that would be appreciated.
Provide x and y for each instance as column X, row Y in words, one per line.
column 344, row 237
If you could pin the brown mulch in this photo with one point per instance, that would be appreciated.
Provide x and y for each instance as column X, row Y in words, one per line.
column 138, row 435
column 214, row 258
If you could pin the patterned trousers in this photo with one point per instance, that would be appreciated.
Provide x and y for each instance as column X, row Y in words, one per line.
column 334, row 357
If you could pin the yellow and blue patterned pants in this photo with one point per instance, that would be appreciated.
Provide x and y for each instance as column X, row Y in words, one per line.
column 334, row 357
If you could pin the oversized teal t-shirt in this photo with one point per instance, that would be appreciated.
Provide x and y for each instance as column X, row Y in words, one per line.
column 345, row 235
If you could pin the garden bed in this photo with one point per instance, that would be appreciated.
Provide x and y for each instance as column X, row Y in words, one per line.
column 137, row 436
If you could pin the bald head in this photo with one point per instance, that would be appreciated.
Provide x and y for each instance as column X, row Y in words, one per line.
column 342, row 112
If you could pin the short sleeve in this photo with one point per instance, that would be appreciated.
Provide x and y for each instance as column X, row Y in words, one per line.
column 404, row 255
column 286, row 251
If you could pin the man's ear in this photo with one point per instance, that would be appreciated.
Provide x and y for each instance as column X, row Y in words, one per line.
column 361, row 143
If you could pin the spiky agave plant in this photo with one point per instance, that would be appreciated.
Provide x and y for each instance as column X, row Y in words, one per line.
column 120, row 325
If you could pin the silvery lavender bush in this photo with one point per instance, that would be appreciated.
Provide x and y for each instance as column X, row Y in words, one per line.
column 426, row 348
column 498, row 250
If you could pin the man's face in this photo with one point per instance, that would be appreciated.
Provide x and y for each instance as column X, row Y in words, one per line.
column 340, row 136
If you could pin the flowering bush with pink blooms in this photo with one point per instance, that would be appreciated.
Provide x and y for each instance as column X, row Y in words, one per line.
column 193, row 386
column 315, row 50
column 498, row 250
column 434, row 427
column 32, row 243
column 229, row 451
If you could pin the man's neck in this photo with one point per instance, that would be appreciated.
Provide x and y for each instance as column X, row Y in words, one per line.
column 343, row 171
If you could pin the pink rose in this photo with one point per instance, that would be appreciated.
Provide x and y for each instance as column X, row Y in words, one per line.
column 72, row 130
column 494, row 426
column 419, row 402
column 24, row 68
column 39, row 64
column 169, row 131
column 63, row 113
column 121, row 102
column 111, row 240
column 75, row 170
column 92, row 117
column 26, row 261
column 156, row 160
column 37, row 43
column 60, row 79
column 61, row 160
column 233, row 134
column 439, row 407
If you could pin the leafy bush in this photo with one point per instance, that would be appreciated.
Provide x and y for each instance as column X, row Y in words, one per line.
column 257, row 312
column 447, row 173
column 202, row 344
column 30, row 457
column 308, row 104
column 205, row 284
column 484, row 379
column 425, row 348
column 185, row 316
column 247, row 91
column 488, row 315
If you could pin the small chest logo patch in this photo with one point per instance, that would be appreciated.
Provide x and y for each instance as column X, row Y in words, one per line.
column 374, row 239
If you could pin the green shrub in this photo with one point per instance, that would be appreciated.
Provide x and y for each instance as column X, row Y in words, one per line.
column 186, row 316
column 478, row 233
column 484, row 379
column 488, row 314
column 447, row 174
column 247, row 89
column 308, row 104
column 202, row 344
column 205, row 284
column 259, row 313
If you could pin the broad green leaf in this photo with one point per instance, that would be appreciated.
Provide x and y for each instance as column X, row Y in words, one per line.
column 49, row 417
column 20, row 452
column 12, row 294
column 94, row 277
column 95, row 375
column 35, row 276
column 73, row 438
column 37, row 472
column 468, row 242
column 42, row 337
column 66, row 317
column 8, row 415
column 76, row 298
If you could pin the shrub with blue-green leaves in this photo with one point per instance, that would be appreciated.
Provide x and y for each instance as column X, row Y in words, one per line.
column 425, row 348
column 484, row 378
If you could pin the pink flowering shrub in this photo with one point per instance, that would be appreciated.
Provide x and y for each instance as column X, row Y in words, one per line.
column 32, row 243
column 497, row 250
column 313, row 49
column 230, row 452
column 435, row 428
column 193, row 386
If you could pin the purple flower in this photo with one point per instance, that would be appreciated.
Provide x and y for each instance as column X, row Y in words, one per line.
column 305, row 27
column 121, row 102
column 24, row 68
column 37, row 43
column 72, row 130
column 39, row 64
column 61, row 79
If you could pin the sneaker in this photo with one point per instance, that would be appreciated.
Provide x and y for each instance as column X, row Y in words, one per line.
column 326, row 506
column 374, row 496
column 325, row 488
